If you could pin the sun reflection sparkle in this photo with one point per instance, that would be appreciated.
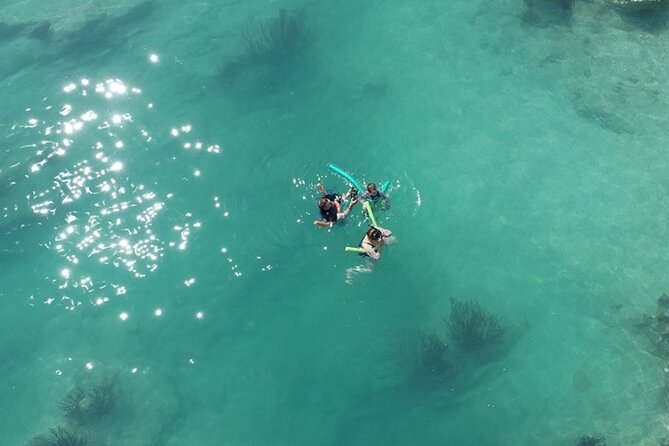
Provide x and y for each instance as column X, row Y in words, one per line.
column 106, row 217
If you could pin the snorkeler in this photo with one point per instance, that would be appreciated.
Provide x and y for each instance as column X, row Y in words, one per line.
column 331, row 206
column 373, row 242
column 374, row 195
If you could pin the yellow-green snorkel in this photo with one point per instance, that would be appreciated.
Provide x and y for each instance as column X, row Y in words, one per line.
column 368, row 208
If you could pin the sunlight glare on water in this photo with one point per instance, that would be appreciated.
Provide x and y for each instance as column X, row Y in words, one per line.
column 103, row 213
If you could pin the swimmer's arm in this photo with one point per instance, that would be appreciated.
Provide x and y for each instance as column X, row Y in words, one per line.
column 323, row 224
column 369, row 250
column 348, row 209
column 378, row 250
column 321, row 188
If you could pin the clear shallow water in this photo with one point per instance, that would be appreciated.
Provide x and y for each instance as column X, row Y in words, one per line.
column 167, row 245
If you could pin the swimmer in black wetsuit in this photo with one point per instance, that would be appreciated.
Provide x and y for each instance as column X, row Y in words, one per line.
column 331, row 207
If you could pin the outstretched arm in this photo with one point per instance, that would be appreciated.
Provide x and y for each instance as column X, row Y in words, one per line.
column 323, row 224
column 348, row 209
column 321, row 188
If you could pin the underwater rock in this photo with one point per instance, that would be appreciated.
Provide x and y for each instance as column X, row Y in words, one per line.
column 621, row 103
column 106, row 32
column 580, row 381
column 543, row 13
column 374, row 89
column 656, row 328
column 42, row 31
column 663, row 301
column 637, row 5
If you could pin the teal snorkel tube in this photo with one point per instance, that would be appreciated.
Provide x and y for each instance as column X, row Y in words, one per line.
column 346, row 176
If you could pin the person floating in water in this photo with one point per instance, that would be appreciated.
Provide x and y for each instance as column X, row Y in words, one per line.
column 331, row 206
column 373, row 242
column 376, row 196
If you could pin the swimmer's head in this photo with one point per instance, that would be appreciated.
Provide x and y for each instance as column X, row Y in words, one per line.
column 374, row 234
column 324, row 203
column 372, row 190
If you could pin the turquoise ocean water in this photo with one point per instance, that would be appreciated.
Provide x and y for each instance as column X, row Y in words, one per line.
column 157, row 188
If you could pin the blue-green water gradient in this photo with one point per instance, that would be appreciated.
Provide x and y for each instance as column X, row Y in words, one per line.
column 156, row 224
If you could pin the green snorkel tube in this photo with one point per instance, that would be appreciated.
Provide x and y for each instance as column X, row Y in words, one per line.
column 354, row 250
column 368, row 208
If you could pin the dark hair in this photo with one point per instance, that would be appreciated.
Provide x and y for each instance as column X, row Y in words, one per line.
column 374, row 233
column 322, row 202
column 371, row 187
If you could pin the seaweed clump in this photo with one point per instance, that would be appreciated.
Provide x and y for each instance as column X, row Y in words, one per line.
column 272, row 53
column 281, row 36
column 430, row 357
column 424, row 358
column 471, row 327
column 85, row 406
column 60, row 437
column 591, row 440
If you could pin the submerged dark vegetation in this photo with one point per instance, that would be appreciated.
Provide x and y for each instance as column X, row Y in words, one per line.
column 471, row 327
column 473, row 333
column 274, row 53
column 83, row 408
column 60, row 437
column 591, row 440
